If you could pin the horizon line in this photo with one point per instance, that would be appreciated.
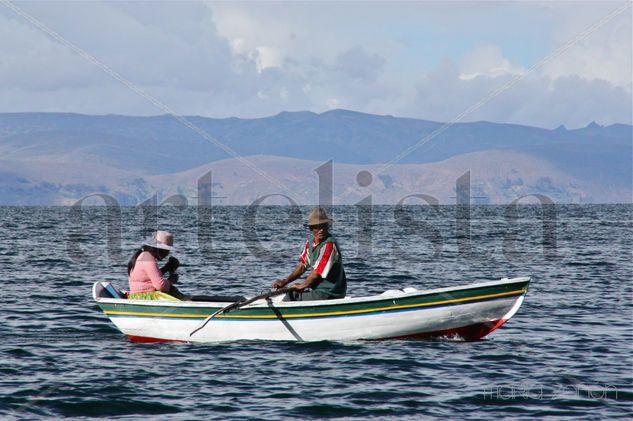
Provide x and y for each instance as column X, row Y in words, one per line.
column 335, row 110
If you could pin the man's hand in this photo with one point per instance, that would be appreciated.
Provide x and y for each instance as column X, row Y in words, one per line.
column 298, row 287
column 280, row 283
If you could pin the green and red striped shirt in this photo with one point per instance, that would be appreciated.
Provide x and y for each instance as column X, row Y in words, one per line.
column 325, row 259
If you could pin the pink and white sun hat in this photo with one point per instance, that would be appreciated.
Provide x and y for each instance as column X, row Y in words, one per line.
column 163, row 240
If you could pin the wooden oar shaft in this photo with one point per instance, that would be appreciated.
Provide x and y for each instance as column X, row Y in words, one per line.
column 259, row 297
column 239, row 304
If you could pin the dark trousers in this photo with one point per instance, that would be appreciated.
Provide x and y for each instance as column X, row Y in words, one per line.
column 306, row 296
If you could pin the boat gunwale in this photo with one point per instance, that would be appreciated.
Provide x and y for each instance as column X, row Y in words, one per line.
column 261, row 304
column 325, row 314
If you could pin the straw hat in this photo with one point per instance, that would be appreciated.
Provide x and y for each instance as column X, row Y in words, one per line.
column 318, row 216
column 163, row 240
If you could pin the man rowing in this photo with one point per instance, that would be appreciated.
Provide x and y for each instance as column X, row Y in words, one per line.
column 321, row 256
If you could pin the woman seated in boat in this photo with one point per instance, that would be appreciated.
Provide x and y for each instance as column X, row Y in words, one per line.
column 147, row 281
column 321, row 256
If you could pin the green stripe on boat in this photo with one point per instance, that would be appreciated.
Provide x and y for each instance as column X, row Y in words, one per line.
column 339, row 309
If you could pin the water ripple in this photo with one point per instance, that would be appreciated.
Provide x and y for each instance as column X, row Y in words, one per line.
column 566, row 354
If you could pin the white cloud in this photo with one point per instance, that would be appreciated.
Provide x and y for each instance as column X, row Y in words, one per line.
column 356, row 63
column 537, row 100
column 266, row 57
column 487, row 61
column 332, row 103
column 423, row 60
column 606, row 55
column 31, row 61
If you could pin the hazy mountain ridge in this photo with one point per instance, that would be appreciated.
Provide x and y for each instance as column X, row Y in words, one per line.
column 496, row 177
column 514, row 176
column 58, row 158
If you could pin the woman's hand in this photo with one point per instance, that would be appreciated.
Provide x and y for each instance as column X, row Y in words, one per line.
column 173, row 278
column 172, row 264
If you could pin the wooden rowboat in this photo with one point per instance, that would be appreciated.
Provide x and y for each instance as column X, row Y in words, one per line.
column 469, row 312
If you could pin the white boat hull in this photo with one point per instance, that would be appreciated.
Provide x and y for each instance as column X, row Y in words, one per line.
column 470, row 317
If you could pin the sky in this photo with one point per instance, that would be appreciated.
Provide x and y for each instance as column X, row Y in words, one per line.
column 536, row 63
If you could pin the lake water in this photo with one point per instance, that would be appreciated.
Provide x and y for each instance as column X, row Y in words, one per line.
column 568, row 352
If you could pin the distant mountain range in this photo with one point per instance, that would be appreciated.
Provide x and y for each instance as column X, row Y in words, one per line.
column 51, row 158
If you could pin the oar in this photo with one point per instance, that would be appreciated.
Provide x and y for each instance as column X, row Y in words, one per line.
column 238, row 304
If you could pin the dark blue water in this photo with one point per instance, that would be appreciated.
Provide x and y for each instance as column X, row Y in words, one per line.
column 568, row 352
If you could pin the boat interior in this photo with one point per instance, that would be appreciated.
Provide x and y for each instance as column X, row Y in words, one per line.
column 105, row 289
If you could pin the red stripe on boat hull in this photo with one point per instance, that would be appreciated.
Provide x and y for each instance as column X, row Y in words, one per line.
column 134, row 338
column 469, row 333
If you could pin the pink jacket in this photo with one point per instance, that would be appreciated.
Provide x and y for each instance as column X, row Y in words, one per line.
column 146, row 277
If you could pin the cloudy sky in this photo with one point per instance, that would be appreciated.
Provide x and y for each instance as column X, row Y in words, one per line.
column 428, row 60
